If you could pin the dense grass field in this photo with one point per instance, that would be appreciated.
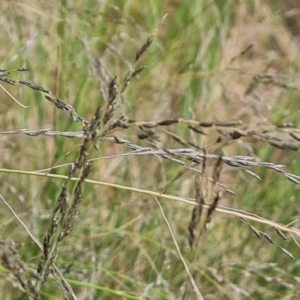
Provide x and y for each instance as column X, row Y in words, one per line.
column 149, row 149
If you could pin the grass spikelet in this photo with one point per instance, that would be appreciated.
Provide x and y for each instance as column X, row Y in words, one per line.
column 211, row 209
column 60, row 104
column 289, row 254
column 196, row 213
column 198, row 210
column 144, row 48
column 10, row 259
column 255, row 231
column 35, row 87
column 218, row 169
column 215, row 197
column 267, row 237
column 130, row 76
column 280, row 233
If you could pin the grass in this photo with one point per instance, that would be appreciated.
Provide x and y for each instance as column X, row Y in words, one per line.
column 153, row 193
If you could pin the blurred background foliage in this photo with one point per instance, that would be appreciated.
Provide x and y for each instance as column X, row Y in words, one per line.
column 202, row 66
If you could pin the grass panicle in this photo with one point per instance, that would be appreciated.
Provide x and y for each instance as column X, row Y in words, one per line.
column 10, row 259
column 200, row 133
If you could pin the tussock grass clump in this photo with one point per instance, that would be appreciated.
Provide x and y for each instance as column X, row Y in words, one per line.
column 163, row 169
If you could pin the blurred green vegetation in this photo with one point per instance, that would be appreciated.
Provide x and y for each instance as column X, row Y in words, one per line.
column 197, row 68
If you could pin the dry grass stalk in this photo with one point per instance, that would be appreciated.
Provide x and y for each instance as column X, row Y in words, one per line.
column 185, row 154
column 64, row 212
column 192, row 280
column 3, row 74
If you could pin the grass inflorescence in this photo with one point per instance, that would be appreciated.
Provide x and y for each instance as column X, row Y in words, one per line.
column 149, row 155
